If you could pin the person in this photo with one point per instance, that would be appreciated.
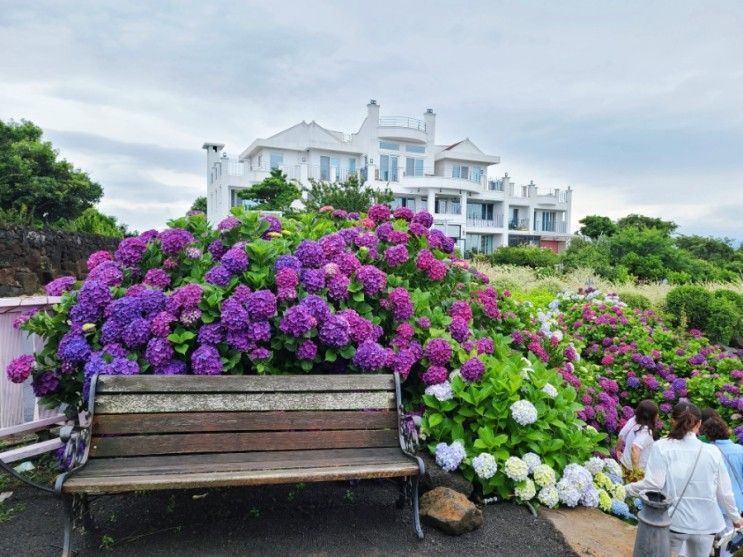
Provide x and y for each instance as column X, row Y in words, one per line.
column 637, row 437
column 718, row 433
column 692, row 475
column 707, row 413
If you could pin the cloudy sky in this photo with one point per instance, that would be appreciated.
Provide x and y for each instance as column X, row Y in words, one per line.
column 635, row 105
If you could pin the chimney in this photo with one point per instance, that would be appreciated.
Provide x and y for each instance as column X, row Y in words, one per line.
column 430, row 119
column 212, row 155
column 373, row 112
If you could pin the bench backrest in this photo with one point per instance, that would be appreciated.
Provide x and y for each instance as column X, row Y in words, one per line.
column 186, row 414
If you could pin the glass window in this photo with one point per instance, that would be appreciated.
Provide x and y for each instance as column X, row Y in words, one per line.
column 352, row 166
column 415, row 148
column 476, row 174
column 336, row 164
column 460, row 171
column 388, row 168
column 408, row 202
column 277, row 159
column 389, row 146
column 324, row 168
column 413, row 167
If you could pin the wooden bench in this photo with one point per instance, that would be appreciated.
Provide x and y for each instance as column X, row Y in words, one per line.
column 154, row 432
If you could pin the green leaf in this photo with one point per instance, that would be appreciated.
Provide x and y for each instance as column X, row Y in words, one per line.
column 330, row 356
column 435, row 419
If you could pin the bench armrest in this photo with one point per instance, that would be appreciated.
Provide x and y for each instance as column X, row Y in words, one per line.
column 406, row 429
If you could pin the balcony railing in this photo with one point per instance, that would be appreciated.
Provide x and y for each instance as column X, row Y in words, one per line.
column 495, row 222
column 495, row 185
column 402, row 122
column 519, row 224
column 558, row 227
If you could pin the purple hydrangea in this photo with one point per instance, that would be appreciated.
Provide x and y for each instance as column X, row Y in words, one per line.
column 404, row 213
column 159, row 352
column 379, row 213
column 187, row 296
column 438, row 351
column 148, row 235
column 19, row 369
column 338, row 287
column 84, row 313
column 174, row 240
column 151, row 301
column 122, row 366
column 136, row 333
column 73, row 348
column 160, row 326
column 108, row 273
column 362, row 330
column 472, row 369
column 373, row 280
column 286, row 278
column 210, row 334
column 228, row 223
column 206, row 361
column 485, row 345
column 371, row 356
column 216, row 249
column 404, row 361
column 235, row 260
column 234, row 316
column 274, row 224
column 423, row 218
column 317, row 307
column 94, row 293
column 259, row 354
column 459, row 329
column 259, row 331
column 173, row 367
column 130, row 251
column 396, row 255
column 98, row 257
column 288, row 262
column 435, row 375
column 311, row 254
column 335, row 331
column 60, row 285
column 218, row 276
column 313, row 280
column 157, row 278
column 401, row 303
column 332, row 245
column 45, row 383
column 261, row 305
column 297, row 321
column 307, row 350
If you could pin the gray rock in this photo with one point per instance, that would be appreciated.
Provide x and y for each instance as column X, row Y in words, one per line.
column 436, row 477
column 450, row 511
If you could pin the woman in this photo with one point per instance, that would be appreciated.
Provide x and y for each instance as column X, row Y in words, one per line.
column 707, row 413
column 718, row 433
column 692, row 475
column 636, row 438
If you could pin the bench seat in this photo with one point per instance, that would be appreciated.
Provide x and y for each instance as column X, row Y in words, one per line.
column 117, row 475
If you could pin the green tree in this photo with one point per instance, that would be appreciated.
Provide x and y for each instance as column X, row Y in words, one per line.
column 33, row 179
column 595, row 226
column 526, row 256
column 274, row 193
column 93, row 221
column 350, row 195
column 199, row 204
column 641, row 221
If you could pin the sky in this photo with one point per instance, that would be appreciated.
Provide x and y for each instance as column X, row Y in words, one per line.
column 635, row 105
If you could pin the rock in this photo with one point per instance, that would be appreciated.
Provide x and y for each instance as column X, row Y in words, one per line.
column 450, row 511
column 435, row 476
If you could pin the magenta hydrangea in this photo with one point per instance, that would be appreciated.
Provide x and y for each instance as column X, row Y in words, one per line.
column 307, row 350
column 438, row 351
column 435, row 375
column 206, row 361
column 60, row 285
column 157, row 278
column 379, row 213
column 423, row 218
column 174, row 240
column 297, row 321
column 335, row 331
column 130, row 251
column 19, row 369
column 396, row 255
column 472, row 370
column 98, row 257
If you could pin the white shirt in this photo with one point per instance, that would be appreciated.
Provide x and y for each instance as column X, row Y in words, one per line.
column 634, row 437
column 668, row 469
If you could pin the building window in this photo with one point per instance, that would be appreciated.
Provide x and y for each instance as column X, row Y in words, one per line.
column 415, row 149
column 408, row 202
column 351, row 167
column 389, row 146
column 445, row 206
column 413, row 167
column 476, row 174
column 460, row 171
column 236, row 201
column 388, row 168
column 548, row 221
column 277, row 159
column 326, row 163
column 482, row 211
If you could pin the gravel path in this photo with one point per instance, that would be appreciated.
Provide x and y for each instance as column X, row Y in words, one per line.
column 316, row 519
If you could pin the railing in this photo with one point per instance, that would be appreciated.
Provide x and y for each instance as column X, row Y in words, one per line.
column 562, row 196
column 452, row 211
column 402, row 122
column 235, row 168
column 518, row 191
column 560, row 227
column 495, row 222
column 495, row 185
column 519, row 224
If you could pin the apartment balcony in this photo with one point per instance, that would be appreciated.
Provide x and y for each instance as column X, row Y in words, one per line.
column 495, row 222
column 444, row 183
column 402, row 128
column 557, row 227
column 519, row 225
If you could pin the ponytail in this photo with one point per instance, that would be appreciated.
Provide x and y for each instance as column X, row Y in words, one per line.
column 684, row 418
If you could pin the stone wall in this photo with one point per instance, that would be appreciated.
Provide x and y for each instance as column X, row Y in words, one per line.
column 30, row 258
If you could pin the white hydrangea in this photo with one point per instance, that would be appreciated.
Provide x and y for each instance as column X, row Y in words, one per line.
column 590, row 498
column 550, row 390
column 548, row 496
column 441, row 391
column 594, row 465
column 524, row 412
column 532, row 461
column 579, row 476
column 568, row 493
column 485, row 466
column 619, row 492
column 449, row 457
column 613, row 467
column 544, row 475
column 516, row 469
column 525, row 490
column 526, row 372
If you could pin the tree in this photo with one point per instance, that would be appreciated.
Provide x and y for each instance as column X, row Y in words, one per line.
column 641, row 221
column 93, row 221
column 350, row 195
column 595, row 226
column 199, row 204
column 274, row 193
column 34, row 180
column 711, row 249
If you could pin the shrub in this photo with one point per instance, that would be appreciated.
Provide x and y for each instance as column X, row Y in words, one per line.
column 526, row 256
column 693, row 302
column 636, row 301
column 723, row 321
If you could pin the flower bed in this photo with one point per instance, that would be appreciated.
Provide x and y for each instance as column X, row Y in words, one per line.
column 321, row 293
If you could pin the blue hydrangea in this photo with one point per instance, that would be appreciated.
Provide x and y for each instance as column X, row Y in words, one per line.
column 449, row 457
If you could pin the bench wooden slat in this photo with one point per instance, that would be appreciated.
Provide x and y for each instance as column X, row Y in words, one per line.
column 136, row 445
column 242, row 421
column 200, row 402
column 243, row 383
column 241, row 478
column 223, row 462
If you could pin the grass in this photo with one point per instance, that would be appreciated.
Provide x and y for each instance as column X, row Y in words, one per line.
column 524, row 280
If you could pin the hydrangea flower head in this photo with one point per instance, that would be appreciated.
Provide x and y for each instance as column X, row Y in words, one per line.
column 544, row 475
column 525, row 490
column 60, row 285
column 532, row 461
column 594, row 465
column 549, row 497
column 472, row 370
column 484, row 466
column 516, row 469
column 19, row 369
column 449, row 457
column 440, row 391
column 523, row 412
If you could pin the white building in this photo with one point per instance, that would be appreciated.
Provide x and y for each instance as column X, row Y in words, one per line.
column 400, row 153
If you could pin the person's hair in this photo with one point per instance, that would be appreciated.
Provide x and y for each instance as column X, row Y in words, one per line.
column 708, row 413
column 715, row 428
column 684, row 417
column 645, row 415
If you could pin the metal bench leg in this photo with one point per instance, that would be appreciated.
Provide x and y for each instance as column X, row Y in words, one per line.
column 416, row 511
column 88, row 523
column 403, row 498
column 67, row 501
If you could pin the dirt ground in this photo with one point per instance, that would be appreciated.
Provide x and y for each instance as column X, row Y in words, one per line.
column 313, row 519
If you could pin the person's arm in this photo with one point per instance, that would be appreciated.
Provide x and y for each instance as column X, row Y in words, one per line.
column 725, row 496
column 636, row 451
column 655, row 475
